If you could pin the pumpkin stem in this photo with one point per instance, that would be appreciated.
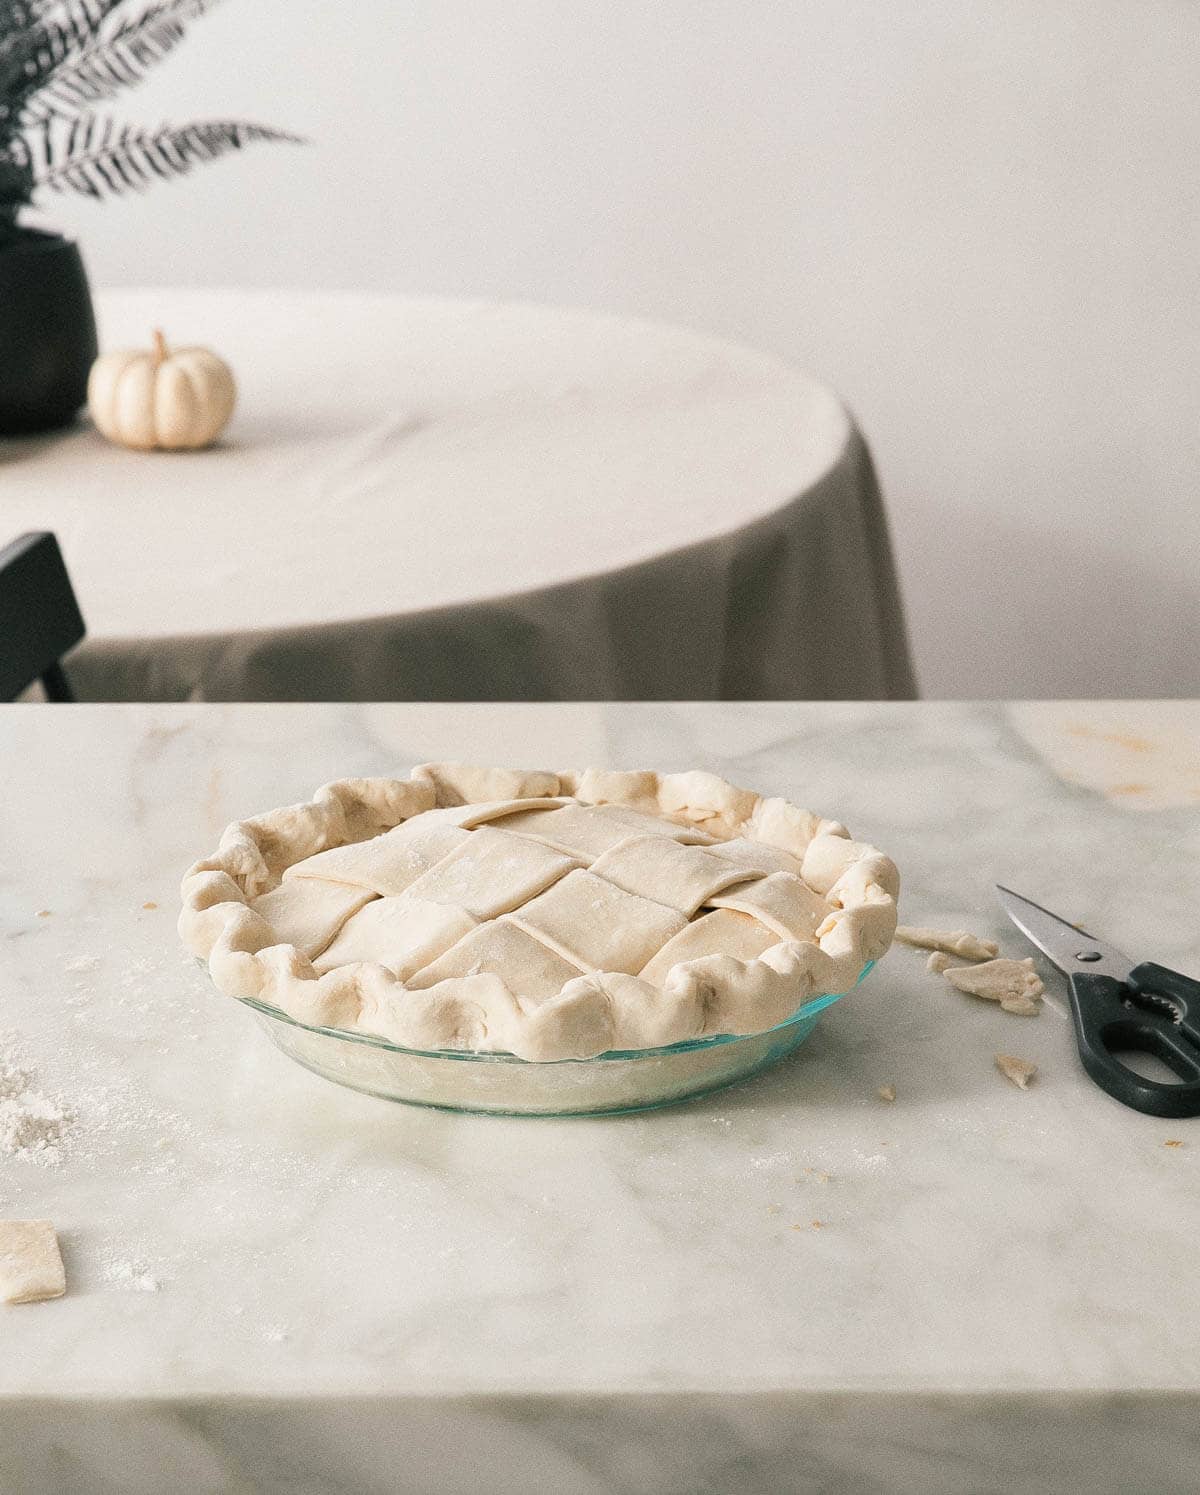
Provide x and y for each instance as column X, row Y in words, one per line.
column 160, row 346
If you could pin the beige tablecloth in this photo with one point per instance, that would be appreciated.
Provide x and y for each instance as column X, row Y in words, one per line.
column 423, row 499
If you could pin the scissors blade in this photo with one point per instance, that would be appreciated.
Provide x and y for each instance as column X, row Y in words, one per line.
column 1070, row 949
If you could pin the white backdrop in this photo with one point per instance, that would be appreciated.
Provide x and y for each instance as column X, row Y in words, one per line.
column 981, row 221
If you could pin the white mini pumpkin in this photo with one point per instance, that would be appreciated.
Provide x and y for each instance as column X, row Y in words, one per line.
column 171, row 399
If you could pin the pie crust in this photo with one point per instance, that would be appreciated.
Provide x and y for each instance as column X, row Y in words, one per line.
column 550, row 916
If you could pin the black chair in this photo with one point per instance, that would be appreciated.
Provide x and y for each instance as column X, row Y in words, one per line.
column 39, row 617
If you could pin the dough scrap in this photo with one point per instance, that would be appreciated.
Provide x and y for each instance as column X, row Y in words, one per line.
column 957, row 942
column 31, row 1264
column 1003, row 981
column 938, row 962
column 1019, row 1071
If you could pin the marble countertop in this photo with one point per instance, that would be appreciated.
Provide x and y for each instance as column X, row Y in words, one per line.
column 994, row 1272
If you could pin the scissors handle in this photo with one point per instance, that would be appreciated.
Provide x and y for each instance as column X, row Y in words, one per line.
column 1111, row 1016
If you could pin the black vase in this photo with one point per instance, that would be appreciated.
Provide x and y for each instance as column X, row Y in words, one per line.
column 47, row 332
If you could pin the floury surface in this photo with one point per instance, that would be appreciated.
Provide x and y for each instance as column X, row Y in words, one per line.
column 277, row 1284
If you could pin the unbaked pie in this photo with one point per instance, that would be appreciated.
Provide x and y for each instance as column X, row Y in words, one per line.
column 546, row 915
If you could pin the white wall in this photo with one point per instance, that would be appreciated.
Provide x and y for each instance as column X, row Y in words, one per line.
column 978, row 218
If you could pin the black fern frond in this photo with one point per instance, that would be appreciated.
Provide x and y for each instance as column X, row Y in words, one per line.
column 58, row 59
column 45, row 45
column 182, row 10
column 97, row 158
column 118, row 60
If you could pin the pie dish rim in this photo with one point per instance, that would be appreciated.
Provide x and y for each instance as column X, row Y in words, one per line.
column 813, row 1006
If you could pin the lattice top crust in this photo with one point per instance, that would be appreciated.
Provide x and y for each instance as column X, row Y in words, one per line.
column 548, row 915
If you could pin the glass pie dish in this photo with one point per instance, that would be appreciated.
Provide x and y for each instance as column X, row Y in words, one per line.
column 501, row 1084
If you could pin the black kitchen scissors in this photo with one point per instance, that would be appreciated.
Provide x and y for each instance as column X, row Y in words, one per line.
column 1119, row 1005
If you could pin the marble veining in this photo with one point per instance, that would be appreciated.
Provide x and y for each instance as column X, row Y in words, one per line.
column 1000, row 1281
column 1143, row 755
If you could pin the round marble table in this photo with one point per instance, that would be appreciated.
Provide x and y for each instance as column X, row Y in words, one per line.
column 430, row 499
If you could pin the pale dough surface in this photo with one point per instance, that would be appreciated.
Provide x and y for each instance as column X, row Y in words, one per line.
column 588, row 835
column 403, row 934
column 781, row 901
column 683, row 877
column 31, row 1265
column 597, row 926
column 385, row 864
column 723, row 932
column 308, row 913
column 525, row 965
column 756, row 856
column 492, row 872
